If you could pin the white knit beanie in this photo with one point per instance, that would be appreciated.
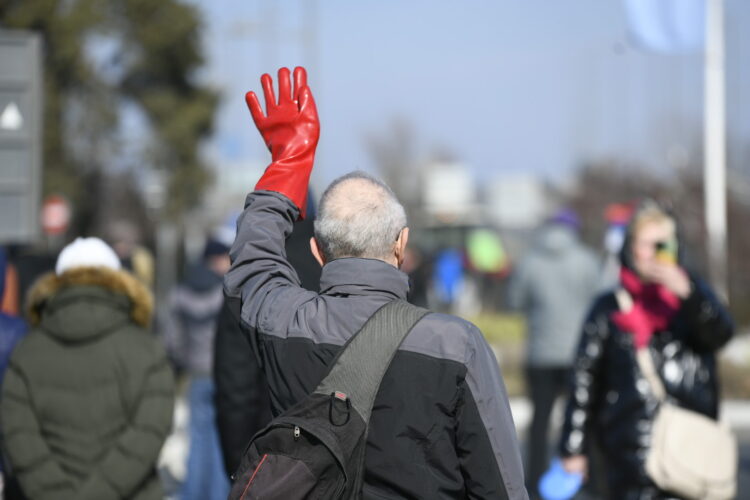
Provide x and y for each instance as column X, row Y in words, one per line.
column 87, row 252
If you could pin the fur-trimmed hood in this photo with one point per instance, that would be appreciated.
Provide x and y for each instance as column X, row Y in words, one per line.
column 119, row 290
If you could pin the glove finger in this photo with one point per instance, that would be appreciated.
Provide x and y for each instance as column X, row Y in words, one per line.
column 285, row 86
column 254, row 106
column 307, row 103
column 267, row 82
column 300, row 81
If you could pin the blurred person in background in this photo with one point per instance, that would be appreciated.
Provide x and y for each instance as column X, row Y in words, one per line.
column 87, row 397
column 453, row 290
column 417, row 268
column 678, row 319
column 194, row 307
column 10, row 290
column 489, row 264
column 243, row 401
column 125, row 237
column 553, row 286
column 12, row 328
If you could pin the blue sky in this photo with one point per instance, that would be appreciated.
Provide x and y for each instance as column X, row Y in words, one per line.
column 508, row 87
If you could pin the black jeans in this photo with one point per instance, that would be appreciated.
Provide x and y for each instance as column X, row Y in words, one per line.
column 544, row 385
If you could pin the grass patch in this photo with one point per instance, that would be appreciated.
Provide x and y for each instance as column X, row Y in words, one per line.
column 502, row 328
column 506, row 335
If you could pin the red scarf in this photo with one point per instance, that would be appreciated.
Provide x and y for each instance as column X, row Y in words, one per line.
column 654, row 306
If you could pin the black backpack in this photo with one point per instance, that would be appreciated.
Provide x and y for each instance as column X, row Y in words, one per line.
column 316, row 449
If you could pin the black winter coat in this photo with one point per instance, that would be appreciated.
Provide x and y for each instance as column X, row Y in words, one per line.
column 243, row 404
column 612, row 402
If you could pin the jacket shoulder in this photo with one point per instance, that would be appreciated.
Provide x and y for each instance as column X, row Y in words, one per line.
column 136, row 340
column 597, row 318
column 33, row 342
column 444, row 337
column 130, row 340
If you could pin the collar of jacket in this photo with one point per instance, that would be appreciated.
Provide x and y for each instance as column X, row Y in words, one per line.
column 356, row 276
column 120, row 288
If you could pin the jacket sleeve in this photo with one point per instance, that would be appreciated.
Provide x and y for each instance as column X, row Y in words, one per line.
column 585, row 377
column 486, row 441
column 38, row 473
column 133, row 455
column 243, row 404
column 261, row 276
column 708, row 321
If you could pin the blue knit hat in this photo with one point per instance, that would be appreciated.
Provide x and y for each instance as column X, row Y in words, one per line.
column 566, row 217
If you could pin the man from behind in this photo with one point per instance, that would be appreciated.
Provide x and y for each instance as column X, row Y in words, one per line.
column 441, row 426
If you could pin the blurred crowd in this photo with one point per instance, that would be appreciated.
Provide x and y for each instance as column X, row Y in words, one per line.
column 138, row 359
column 160, row 404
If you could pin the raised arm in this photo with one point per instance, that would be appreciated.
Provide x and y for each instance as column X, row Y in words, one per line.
column 708, row 321
column 261, row 276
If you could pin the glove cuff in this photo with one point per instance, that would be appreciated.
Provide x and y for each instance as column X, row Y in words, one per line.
column 291, row 182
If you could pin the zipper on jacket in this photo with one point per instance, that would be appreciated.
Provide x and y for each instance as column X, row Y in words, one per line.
column 296, row 433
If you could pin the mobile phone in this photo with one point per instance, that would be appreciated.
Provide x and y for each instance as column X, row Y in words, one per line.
column 666, row 251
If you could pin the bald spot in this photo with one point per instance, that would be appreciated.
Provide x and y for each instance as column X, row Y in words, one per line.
column 352, row 197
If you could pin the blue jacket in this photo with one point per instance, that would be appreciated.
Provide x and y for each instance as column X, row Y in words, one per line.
column 11, row 331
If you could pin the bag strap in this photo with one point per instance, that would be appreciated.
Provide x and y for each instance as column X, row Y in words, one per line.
column 646, row 363
column 360, row 365
column 642, row 355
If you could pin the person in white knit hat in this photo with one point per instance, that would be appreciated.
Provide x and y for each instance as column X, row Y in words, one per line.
column 88, row 396
column 87, row 252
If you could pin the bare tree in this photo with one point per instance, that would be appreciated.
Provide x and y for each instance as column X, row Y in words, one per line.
column 394, row 152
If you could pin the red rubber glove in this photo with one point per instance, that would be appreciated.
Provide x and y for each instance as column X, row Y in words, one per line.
column 291, row 130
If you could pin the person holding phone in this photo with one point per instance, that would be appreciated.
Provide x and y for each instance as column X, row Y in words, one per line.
column 659, row 306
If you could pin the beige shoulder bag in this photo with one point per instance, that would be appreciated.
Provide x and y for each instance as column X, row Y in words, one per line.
column 691, row 455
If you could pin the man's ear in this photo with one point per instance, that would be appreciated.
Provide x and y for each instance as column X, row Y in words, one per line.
column 400, row 251
column 317, row 252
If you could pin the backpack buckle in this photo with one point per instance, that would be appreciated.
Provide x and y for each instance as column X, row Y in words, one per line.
column 339, row 399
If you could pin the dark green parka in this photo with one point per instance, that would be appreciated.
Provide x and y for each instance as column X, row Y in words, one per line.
column 87, row 400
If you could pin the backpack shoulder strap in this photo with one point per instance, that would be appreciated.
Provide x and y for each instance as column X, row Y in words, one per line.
column 360, row 365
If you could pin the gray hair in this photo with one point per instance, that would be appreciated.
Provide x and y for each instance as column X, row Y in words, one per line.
column 359, row 216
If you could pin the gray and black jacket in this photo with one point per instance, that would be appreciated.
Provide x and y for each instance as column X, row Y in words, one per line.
column 441, row 425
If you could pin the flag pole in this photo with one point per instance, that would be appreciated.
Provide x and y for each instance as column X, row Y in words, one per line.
column 714, row 173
